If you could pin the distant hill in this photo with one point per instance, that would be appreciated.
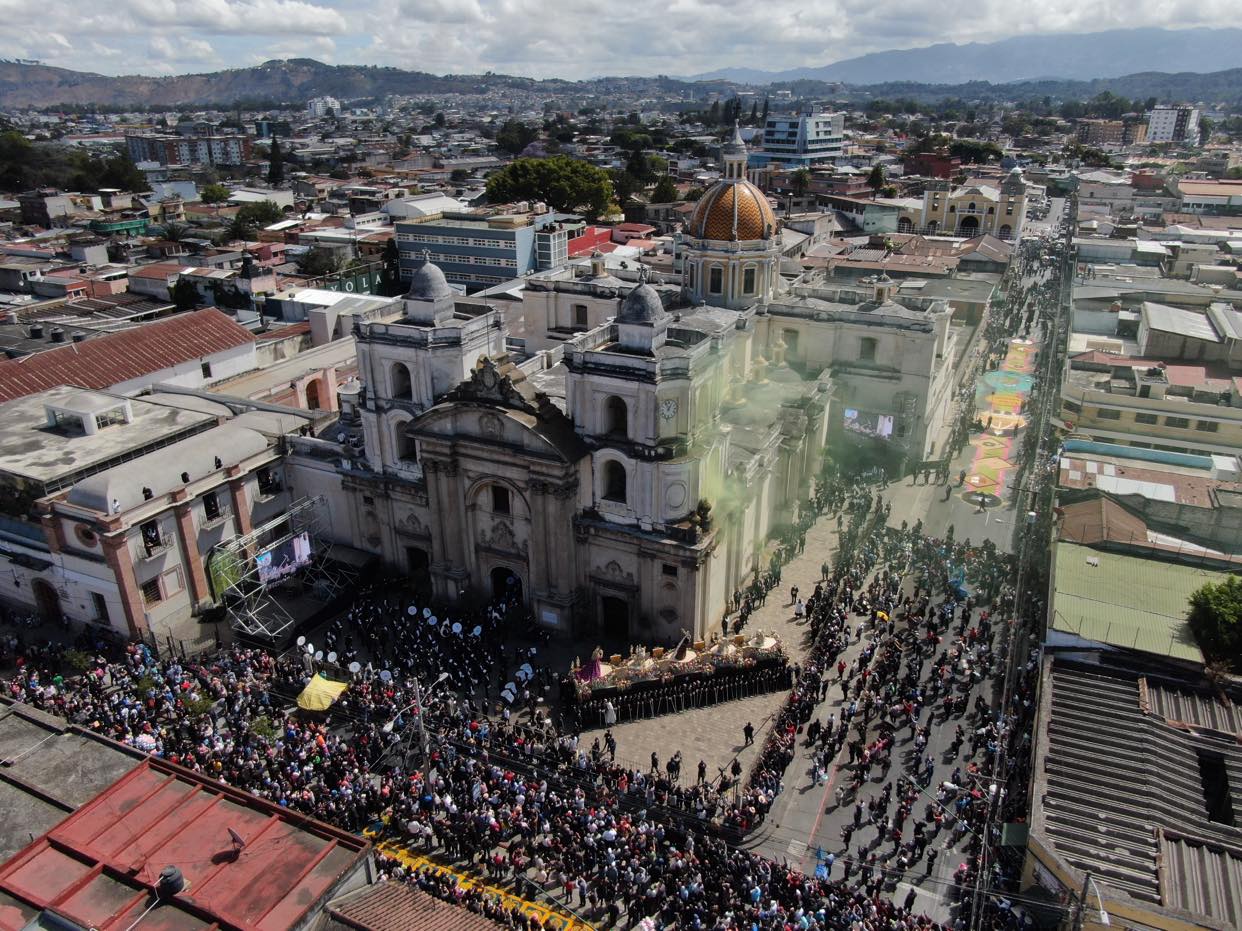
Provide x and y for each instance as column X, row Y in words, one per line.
column 25, row 84
column 1065, row 57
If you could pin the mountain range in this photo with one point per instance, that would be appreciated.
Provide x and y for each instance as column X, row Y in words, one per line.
column 1020, row 68
column 1080, row 57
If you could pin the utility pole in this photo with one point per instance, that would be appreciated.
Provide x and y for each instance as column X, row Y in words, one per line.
column 422, row 734
column 1082, row 903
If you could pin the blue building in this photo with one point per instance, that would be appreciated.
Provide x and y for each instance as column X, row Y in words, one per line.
column 478, row 252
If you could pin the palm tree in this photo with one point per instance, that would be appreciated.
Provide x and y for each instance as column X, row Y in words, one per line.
column 174, row 230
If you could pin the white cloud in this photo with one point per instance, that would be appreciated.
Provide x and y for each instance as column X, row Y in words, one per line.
column 567, row 38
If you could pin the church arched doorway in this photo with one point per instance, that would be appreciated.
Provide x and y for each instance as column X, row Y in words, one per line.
column 969, row 226
column 312, row 395
column 47, row 601
column 506, row 585
column 904, row 225
column 615, row 618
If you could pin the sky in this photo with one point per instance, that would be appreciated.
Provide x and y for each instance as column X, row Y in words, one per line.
column 542, row 38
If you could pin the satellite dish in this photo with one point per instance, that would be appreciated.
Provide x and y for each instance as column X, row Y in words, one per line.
column 310, row 647
column 457, row 628
column 318, row 656
column 301, row 641
column 412, row 609
column 354, row 667
column 332, row 657
column 238, row 841
column 385, row 675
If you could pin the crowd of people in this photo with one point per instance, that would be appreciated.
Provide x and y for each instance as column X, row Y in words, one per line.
column 518, row 797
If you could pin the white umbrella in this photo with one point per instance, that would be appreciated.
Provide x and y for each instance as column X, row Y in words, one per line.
column 412, row 609
column 332, row 657
column 385, row 675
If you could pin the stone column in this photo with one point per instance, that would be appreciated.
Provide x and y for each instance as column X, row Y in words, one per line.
column 121, row 562
column 200, row 592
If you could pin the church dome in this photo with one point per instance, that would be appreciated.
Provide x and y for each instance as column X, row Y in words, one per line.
column 733, row 211
column 429, row 284
column 642, row 305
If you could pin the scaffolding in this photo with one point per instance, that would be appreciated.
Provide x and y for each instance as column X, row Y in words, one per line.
column 250, row 583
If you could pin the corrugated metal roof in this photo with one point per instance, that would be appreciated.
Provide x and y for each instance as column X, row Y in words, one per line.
column 1177, row 320
column 1202, row 878
column 120, row 357
column 1127, row 601
column 1197, row 709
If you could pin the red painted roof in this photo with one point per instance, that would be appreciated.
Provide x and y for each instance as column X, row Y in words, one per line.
column 100, row 866
column 123, row 356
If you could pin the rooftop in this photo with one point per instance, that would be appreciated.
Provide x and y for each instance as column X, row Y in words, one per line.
column 120, row 357
column 1129, row 602
column 1120, row 794
column 50, row 769
column 100, row 866
column 396, row 906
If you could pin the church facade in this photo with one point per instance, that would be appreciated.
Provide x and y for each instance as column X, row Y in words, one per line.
column 617, row 450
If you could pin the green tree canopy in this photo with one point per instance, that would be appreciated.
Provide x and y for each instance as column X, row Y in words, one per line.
column 665, row 191
column 800, row 181
column 214, row 194
column 563, row 183
column 875, row 180
column 318, row 261
column 514, row 136
column 275, row 164
column 1216, row 620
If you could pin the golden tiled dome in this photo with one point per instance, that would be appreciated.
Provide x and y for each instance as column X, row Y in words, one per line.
column 733, row 211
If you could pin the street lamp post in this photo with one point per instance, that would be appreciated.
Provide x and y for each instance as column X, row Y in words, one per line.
column 1089, row 882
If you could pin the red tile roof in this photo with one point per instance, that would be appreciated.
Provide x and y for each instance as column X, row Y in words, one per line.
column 120, row 357
column 100, row 866
column 392, row 906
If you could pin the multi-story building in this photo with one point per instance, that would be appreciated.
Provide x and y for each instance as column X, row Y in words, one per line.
column 113, row 504
column 318, row 107
column 1110, row 132
column 809, row 138
column 476, row 252
column 206, row 149
column 1173, row 124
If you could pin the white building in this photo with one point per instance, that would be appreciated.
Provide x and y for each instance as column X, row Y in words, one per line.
column 1173, row 124
column 810, row 138
column 318, row 107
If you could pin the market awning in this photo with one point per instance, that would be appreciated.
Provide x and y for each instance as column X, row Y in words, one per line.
column 320, row 693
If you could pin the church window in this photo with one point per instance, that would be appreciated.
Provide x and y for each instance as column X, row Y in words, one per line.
column 500, row 500
column 670, row 570
column 614, row 481
column 616, row 417
column 581, row 318
column 866, row 349
column 400, row 380
column 748, row 281
column 715, row 280
column 407, row 446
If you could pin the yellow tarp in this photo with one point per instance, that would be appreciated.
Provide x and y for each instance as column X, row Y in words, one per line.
column 320, row 693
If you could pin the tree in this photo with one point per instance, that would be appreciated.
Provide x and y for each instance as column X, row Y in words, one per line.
column 318, row 261
column 174, row 231
column 563, row 183
column 250, row 216
column 875, row 180
column 754, row 113
column 458, row 175
column 1216, row 620
column 275, row 164
column 184, row 295
column 214, row 194
column 765, row 110
column 514, row 136
column 800, row 181
column 665, row 191
column 1206, row 126
column 693, row 194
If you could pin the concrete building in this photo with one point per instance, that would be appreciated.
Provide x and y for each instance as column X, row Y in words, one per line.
column 475, row 252
column 1110, row 132
column 811, row 138
column 113, row 504
column 1173, row 124
column 175, row 149
column 318, row 107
